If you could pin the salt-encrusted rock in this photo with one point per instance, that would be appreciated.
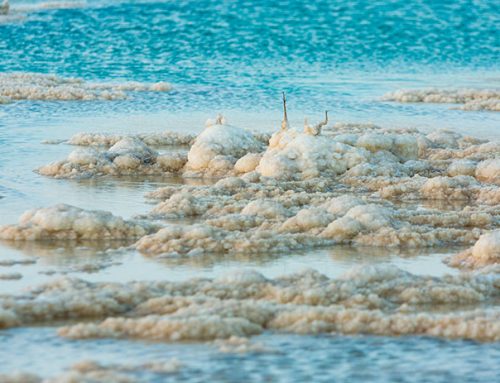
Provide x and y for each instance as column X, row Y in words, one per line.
column 219, row 146
column 489, row 171
column 72, row 223
column 128, row 156
column 485, row 252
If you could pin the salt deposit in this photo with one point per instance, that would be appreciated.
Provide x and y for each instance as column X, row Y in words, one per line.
column 36, row 86
column 441, row 188
column 350, row 185
column 235, row 216
column 219, row 146
column 376, row 299
column 10, row 276
column 485, row 252
column 13, row 262
column 489, row 171
column 472, row 99
column 239, row 345
column 154, row 139
column 128, row 156
column 72, row 223
column 285, row 195
column 94, row 372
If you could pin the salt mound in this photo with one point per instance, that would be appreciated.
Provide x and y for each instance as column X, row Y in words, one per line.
column 264, row 208
column 489, row 171
column 128, row 156
column 473, row 99
column 405, row 147
column 229, row 234
column 219, row 146
column 462, row 167
column 293, row 155
column 485, row 252
column 36, row 86
column 69, row 222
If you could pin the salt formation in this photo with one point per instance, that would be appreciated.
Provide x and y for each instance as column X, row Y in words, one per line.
column 219, row 146
column 239, row 345
column 472, row 99
column 489, row 171
column 238, row 216
column 485, row 252
column 35, row 86
column 72, row 223
column 156, row 139
column 371, row 299
column 94, row 372
column 444, row 188
column 128, row 156
column 10, row 276
column 283, row 196
column 13, row 262
column 357, row 185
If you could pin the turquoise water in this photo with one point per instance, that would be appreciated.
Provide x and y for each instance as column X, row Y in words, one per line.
column 241, row 54
column 237, row 57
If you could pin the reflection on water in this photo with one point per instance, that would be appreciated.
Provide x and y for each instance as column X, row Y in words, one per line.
column 116, row 261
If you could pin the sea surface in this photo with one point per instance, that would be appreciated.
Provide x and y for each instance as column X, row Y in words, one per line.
column 236, row 57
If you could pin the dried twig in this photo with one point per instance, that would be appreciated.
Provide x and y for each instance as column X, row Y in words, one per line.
column 315, row 130
column 284, row 124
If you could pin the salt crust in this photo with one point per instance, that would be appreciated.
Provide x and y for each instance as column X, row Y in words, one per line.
column 282, row 197
column 472, row 99
column 154, row 139
column 10, row 276
column 485, row 252
column 36, row 86
column 240, row 345
column 13, row 262
column 71, row 223
column 223, row 150
column 236, row 216
column 128, row 156
column 94, row 372
column 219, row 146
column 379, row 299
column 303, row 203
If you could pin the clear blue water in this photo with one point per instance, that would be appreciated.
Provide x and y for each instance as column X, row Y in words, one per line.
column 295, row 358
column 236, row 57
column 241, row 54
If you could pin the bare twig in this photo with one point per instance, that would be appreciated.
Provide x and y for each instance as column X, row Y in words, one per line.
column 315, row 130
column 284, row 124
column 322, row 123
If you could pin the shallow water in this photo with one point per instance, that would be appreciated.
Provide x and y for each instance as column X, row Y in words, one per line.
column 293, row 358
column 234, row 57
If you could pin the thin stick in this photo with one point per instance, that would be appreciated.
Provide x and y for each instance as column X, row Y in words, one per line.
column 284, row 123
column 284, row 107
